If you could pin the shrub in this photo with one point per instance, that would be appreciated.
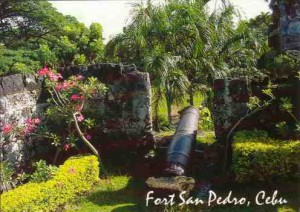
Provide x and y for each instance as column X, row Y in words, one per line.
column 43, row 172
column 205, row 122
column 208, row 138
column 6, row 176
column 17, row 61
column 76, row 175
column 258, row 157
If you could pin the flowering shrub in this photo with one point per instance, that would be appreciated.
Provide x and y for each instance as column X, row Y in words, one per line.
column 12, row 132
column 66, row 117
column 26, row 129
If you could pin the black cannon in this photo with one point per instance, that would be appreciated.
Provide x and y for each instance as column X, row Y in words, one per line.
column 182, row 141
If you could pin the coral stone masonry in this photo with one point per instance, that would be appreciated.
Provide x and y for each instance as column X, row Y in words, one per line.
column 124, row 112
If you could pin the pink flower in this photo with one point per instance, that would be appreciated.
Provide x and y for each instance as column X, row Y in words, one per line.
column 74, row 97
column 37, row 121
column 66, row 147
column 30, row 125
column 28, row 121
column 54, row 77
column 62, row 86
column 29, row 129
column 80, row 118
column 79, row 77
column 43, row 72
column 72, row 170
column 89, row 137
column 7, row 128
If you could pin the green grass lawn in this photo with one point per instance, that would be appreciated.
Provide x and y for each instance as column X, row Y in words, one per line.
column 163, row 112
column 125, row 194
column 117, row 193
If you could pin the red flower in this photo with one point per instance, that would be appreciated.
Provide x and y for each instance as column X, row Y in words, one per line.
column 43, row 72
column 67, row 146
column 7, row 128
column 74, row 97
column 46, row 72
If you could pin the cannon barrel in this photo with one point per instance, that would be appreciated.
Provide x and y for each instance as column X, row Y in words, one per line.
column 182, row 141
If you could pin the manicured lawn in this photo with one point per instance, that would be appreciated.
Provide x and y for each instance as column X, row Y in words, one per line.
column 125, row 194
column 117, row 193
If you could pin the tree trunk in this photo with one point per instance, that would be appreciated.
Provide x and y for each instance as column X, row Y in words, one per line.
column 169, row 112
column 191, row 96
column 169, row 106
column 156, row 118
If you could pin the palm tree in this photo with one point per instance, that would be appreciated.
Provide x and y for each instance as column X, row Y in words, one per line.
column 167, row 81
column 205, row 46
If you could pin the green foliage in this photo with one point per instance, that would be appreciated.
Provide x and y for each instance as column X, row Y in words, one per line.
column 46, row 56
column 164, row 124
column 17, row 61
column 286, row 104
column 258, row 157
column 282, row 128
column 279, row 65
column 79, row 59
column 6, row 176
column 209, row 137
column 27, row 23
column 183, row 46
column 75, row 176
column 43, row 172
column 205, row 123
column 35, row 34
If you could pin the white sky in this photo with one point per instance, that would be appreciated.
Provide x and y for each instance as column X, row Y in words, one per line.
column 113, row 14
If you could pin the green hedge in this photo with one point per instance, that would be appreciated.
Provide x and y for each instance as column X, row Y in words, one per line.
column 76, row 175
column 258, row 157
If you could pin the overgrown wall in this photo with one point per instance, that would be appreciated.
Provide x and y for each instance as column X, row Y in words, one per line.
column 230, row 104
column 125, row 111
column 19, row 95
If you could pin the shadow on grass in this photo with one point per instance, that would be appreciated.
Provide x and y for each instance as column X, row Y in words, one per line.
column 119, row 195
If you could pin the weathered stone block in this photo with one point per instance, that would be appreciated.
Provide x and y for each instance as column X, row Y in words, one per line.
column 12, row 84
column 31, row 82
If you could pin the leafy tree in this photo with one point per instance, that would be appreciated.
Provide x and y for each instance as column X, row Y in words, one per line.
column 57, row 40
column 17, row 61
column 25, row 23
column 207, row 46
column 46, row 56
